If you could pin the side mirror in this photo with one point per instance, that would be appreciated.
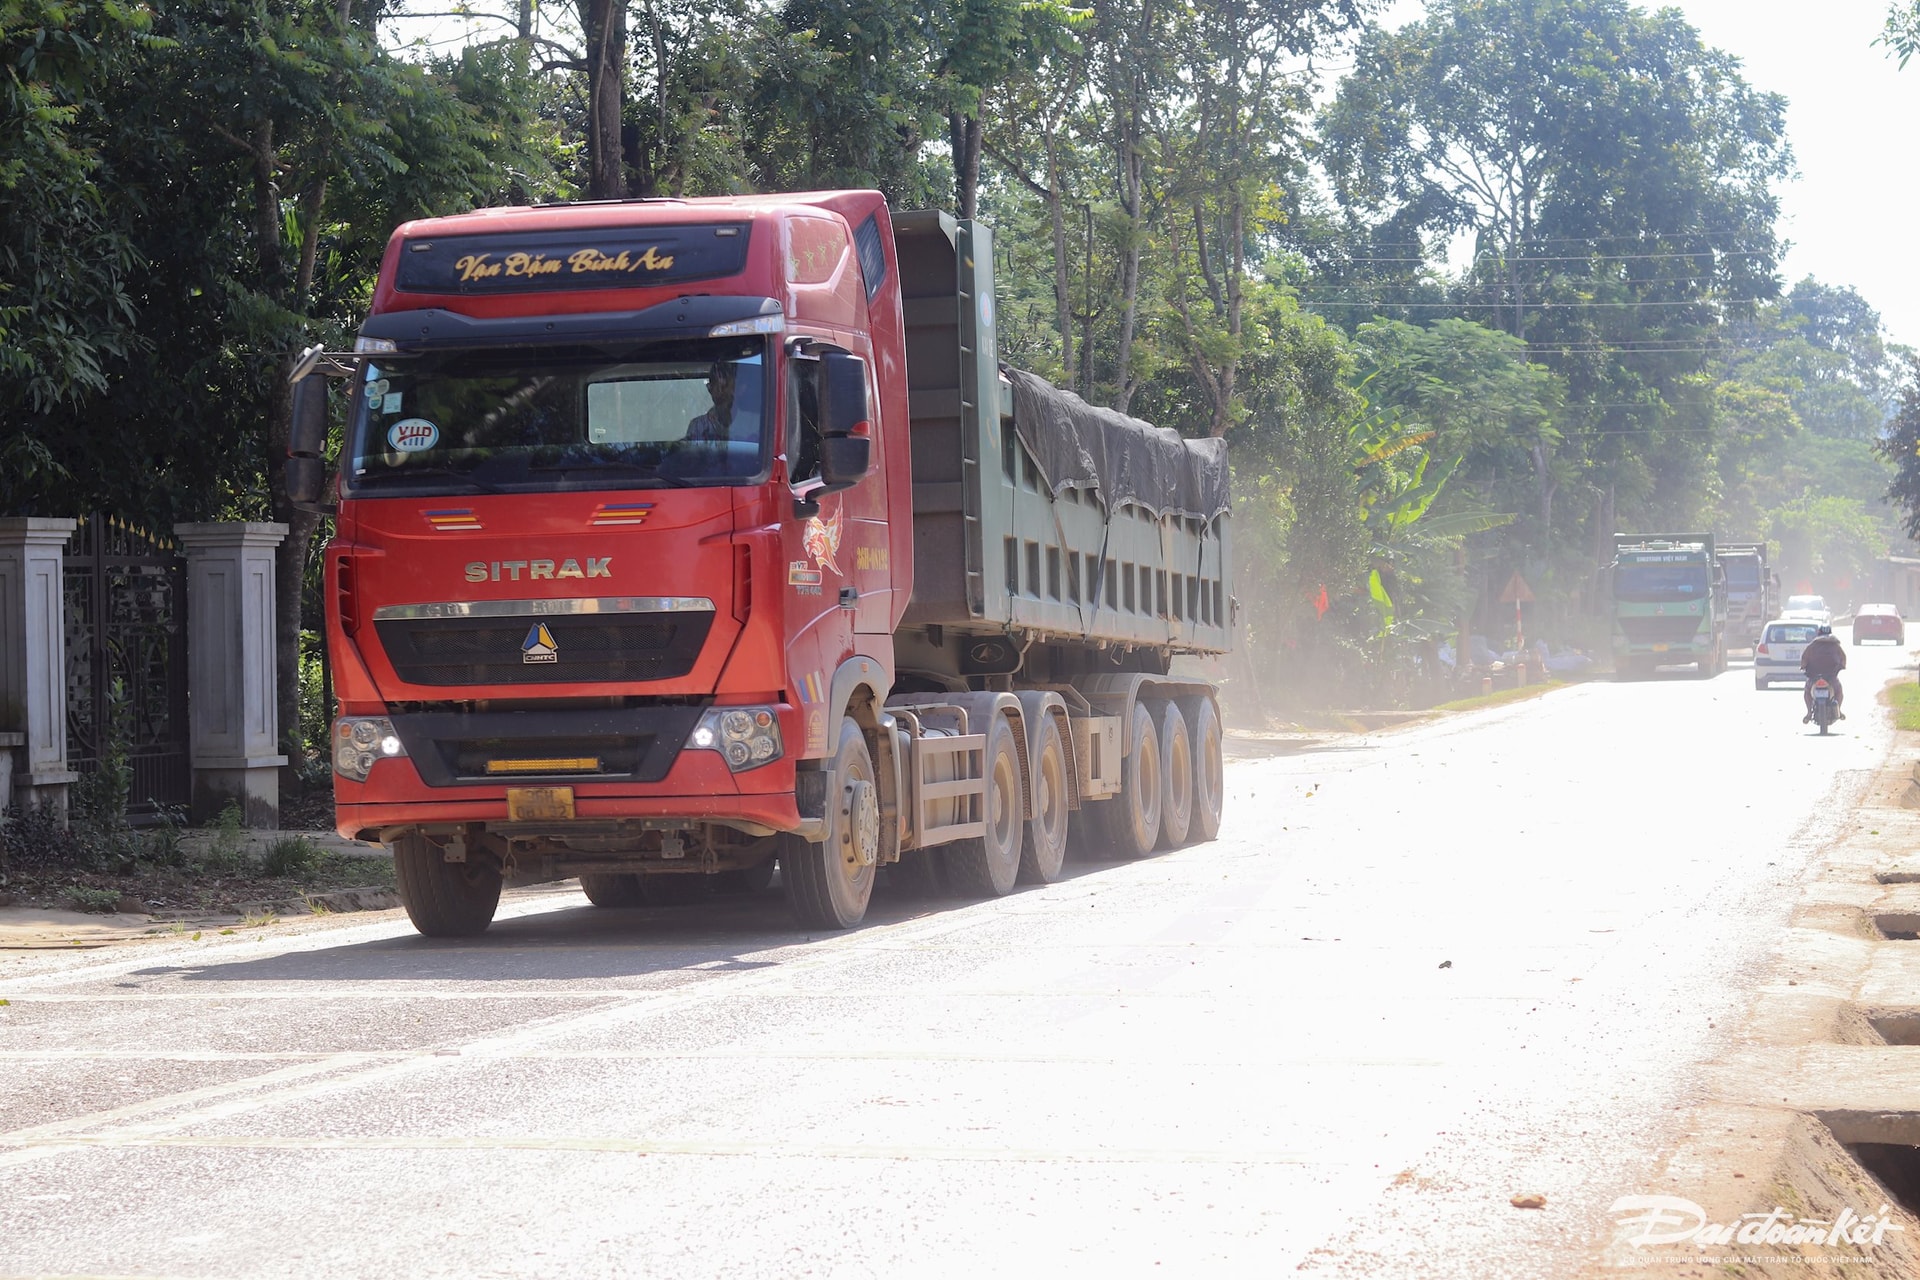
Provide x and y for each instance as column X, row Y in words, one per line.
column 844, row 460
column 843, row 394
column 308, row 436
column 306, row 467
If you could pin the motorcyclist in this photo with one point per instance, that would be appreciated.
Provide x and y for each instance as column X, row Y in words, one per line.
column 1824, row 658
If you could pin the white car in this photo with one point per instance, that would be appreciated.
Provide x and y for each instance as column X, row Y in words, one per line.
column 1777, row 656
column 1814, row 607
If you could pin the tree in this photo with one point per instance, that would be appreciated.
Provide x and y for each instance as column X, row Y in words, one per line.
column 1221, row 161
column 1901, row 447
column 1615, row 176
column 65, row 256
column 1902, row 33
column 257, row 155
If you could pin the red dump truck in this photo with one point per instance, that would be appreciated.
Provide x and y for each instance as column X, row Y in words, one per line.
column 674, row 537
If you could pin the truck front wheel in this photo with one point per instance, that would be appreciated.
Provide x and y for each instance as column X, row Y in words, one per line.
column 829, row 884
column 444, row 899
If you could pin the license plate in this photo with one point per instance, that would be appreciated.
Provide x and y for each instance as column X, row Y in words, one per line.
column 539, row 804
column 1660, row 648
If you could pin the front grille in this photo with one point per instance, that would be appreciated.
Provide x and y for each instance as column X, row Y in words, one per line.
column 1674, row 630
column 635, row 744
column 592, row 648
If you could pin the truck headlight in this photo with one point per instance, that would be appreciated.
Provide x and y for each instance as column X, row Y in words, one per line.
column 746, row 737
column 360, row 740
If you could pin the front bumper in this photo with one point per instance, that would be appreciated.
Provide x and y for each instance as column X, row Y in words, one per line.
column 647, row 773
column 770, row 812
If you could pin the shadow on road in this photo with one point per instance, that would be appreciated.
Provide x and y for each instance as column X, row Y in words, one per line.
column 718, row 935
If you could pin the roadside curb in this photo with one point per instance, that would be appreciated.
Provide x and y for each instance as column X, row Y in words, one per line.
column 1820, row 1064
column 315, row 904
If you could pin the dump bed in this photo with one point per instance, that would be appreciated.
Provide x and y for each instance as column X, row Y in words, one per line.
column 1035, row 513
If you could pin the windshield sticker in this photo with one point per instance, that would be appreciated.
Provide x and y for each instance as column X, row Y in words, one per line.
column 413, row 435
column 390, row 403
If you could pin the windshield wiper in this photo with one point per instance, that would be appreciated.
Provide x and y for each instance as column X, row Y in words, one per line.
column 417, row 472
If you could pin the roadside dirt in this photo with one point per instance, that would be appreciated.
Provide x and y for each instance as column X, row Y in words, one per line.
column 1772, row 1156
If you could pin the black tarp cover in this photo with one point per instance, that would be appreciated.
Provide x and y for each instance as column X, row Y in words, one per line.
column 1121, row 458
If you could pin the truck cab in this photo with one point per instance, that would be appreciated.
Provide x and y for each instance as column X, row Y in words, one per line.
column 1669, row 604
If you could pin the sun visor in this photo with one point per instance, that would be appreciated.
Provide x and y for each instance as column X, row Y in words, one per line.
column 682, row 317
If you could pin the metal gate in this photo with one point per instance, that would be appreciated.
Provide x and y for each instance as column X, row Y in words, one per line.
column 126, row 621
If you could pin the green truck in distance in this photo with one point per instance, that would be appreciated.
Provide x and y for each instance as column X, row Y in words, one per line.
column 1669, row 604
column 1751, row 595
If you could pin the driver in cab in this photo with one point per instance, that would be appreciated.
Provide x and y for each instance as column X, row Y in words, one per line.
column 716, row 424
column 1824, row 658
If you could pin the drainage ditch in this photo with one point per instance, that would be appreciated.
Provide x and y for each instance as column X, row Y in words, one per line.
column 1901, row 926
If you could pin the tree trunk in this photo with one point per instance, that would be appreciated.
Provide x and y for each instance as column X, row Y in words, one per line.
column 963, row 132
column 1129, row 272
column 1062, row 276
column 605, row 23
column 1545, row 487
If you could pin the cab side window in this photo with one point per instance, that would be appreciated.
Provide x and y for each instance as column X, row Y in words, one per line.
column 803, row 413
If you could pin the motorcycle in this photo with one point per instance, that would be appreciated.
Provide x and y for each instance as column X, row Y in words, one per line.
column 1825, row 709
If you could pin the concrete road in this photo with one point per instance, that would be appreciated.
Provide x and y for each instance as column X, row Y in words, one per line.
column 1420, row 973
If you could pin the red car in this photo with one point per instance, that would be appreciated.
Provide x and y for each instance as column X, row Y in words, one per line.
column 1878, row 622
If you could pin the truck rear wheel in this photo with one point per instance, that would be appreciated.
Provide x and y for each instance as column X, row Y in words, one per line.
column 1176, row 772
column 675, row 888
column 612, row 889
column 444, row 899
column 1045, row 849
column 829, row 884
column 1209, row 768
column 988, row 865
column 1130, row 821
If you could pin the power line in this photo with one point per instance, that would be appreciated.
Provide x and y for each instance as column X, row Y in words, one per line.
column 1336, row 300
column 1589, row 257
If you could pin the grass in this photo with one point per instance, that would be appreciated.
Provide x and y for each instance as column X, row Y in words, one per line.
column 1500, row 697
column 1904, row 698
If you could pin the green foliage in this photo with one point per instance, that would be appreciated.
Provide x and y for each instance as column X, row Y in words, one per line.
column 227, row 852
column 1901, row 35
column 290, row 856
column 1834, row 540
column 1901, row 447
column 95, row 901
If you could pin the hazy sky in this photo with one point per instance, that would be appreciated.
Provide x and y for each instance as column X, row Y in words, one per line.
column 1851, row 215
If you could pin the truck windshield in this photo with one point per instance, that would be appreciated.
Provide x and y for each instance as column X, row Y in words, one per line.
column 638, row 415
column 1659, row 583
column 1743, row 573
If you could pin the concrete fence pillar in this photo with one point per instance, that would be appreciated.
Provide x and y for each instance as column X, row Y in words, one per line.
column 33, row 656
column 232, row 709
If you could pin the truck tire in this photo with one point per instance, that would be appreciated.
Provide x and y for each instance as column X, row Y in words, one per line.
column 1044, row 851
column 612, row 889
column 1209, row 768
column 1176, row 773
column 749, row 881
column 444, row 899
column 829, row 884
column 675, row 888
column 1130, row 821
column 989, row 865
